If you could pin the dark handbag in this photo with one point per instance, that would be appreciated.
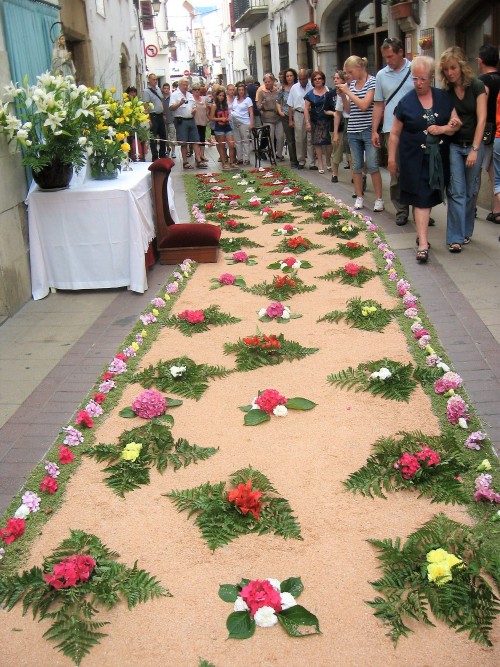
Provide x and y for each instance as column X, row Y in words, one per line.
column 489, row 133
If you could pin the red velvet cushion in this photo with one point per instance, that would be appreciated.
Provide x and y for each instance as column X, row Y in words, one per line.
column 163, row 164
column 192, row 234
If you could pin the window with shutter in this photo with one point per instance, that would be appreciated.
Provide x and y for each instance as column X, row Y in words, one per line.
column 147, row 15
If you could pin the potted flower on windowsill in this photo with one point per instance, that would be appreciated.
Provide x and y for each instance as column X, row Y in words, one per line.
column 52, row 119
column 311, row 33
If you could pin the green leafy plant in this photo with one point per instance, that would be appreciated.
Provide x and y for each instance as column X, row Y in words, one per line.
column 273, row 595
column 238, row 228
column 281, row 289
column 351, row 249
column 398, row 385
column 290, row 269
column 367, row 315
column 464, row 599
column 350, row 274
column 262, row 350
column 231, row 244
column 277, row 216
column 296, row 245
column 385, row 472
column 212, row 315
column 221, row 521
column 270, row 402
column 342, row 229
column 130, row 465
column 73, row 606
column 192, row 382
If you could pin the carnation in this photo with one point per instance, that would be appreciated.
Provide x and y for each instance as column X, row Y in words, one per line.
column 158, row 302
column 287, row 601
column 31, row 500
column 240, row 256
column 94, row 409
column 172, row 288
column 104, row 388
column 177, row 371
column 65, row 455
column 269, row 399
column 456, row 409
column 280, row 411
column 22, row 512
column 240, row 604
column 117, row 366
column 432, row 360
column 265, row 617
column 227, row 279
column 474, row 440
column 259, row 594
column 52, row 469
column 14, row 530
column 150, row 403
column 275, row 309
column 352, row 269
column 73, row 436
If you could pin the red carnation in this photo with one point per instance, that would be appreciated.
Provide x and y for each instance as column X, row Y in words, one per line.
column 352, row 269
column 99, row 397
column 49, row 484
column 326, row 214
column 259, row 594
column 107, row 376
column 121, row 356
column 84, row 418
column 14, row 529
column 65, row 455
column 352, row 244
column 246, row 500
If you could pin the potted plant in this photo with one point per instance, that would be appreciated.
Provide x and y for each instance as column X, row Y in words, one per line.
column 311, row 33
column 425, row 43
column 52, row 121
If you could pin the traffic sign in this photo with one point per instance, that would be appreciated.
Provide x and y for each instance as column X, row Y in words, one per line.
column 187, row 72
column 151, row 50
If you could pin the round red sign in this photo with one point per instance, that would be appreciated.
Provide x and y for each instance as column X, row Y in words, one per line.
column 187, row 72
column 151, row 50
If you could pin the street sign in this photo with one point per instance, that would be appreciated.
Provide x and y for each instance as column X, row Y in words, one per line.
column 187, row 72
column 151, row 50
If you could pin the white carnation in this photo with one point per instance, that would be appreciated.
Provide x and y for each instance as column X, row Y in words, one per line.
column 297, row 264
column 287, row 601
column 275, row 583
column 265, row 617
column 285, row 315
column 177, row 371
column 462, row 423
column 240, row 604
column 443, row 366
column 22, row 512
column 280, row 411
column 262, row 312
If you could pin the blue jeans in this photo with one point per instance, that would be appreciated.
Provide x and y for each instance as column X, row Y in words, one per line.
column 462, row 190
column 496, row 164
column 362, row 149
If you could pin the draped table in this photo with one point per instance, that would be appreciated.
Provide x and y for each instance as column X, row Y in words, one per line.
column 93, row 235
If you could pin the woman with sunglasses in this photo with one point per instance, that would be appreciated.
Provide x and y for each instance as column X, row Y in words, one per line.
column 219, row 114
column 317, row 122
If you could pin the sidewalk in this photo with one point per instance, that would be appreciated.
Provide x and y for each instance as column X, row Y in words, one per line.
column 52, row 351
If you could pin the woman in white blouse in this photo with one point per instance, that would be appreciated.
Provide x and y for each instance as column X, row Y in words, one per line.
column 242, row 119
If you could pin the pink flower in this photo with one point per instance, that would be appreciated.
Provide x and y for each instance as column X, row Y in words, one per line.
column 70, row 571
column 411, row 313
column 73, row 436
column 106, row 386
column 449, row 381
column 49, row 484
column 455, row 409
column 84, row 418
column 419, row 333
column 403, row 286
column 31, row 500
column 65, row 455
column 392, row 275
column 474, row 440
column 158, row 302
column 148, row 318
column 172, row 288
column 93, row 409
column 275, row 309
column 288, row 228
column 352, row 269
column 408, row 464
column 429, row 455
column 227, row 279
column 269, row 399
column 192, row 316
column 150, row 403
column 14, row 530
column 240, row 256
column 410, row 300
column 52, row 470
column 289, row 261
column 258, row 593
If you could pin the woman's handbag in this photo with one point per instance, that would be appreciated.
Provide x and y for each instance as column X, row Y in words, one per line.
column 489, row 133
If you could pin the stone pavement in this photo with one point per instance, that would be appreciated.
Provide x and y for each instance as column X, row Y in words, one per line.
column 52, row 351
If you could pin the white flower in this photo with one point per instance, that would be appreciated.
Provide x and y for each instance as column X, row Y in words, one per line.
column 22, row 512
column 297, row 264
column 240, row 604
column 82, row 141
column 275, row 583
column 254, row 404
column 287, row 601
column 280, row 411
column 177, row 371
column 443, row 366
column 262, row 312
column 283, row 230
column 265, row 617
column 462, row 423
column 22, row 134
column 382, row 374
column 250, row 190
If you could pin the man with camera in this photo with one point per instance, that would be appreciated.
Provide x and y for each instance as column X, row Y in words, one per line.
column 153, row 105
column 183, row 106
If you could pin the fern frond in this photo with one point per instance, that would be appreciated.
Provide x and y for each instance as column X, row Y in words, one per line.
column 76, row 636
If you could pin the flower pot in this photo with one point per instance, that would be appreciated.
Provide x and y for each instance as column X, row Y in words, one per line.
column 102, row 170
column 55, row 176
column 313, row 40
column 402, row 10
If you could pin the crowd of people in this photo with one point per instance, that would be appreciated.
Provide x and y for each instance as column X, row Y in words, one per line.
column 438, row 138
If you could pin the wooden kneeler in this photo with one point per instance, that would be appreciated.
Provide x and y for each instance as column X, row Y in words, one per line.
column 176, row 242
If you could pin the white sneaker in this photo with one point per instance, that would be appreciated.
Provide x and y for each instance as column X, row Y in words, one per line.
column 359, row 203
column 379, row 205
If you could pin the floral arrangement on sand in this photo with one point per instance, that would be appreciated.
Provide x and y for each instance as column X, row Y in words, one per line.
column 190, row 322
column 290, row 264
column 263, row 350
column 368, row 315
column 271, row 402
column 282, row 288
column 351, row 274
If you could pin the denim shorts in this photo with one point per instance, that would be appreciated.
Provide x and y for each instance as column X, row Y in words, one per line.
column 186, row 131
column 222, row 132
column 362, row 149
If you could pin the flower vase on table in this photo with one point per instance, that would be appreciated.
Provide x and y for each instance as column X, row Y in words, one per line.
column 55, row 176
column 101, row 169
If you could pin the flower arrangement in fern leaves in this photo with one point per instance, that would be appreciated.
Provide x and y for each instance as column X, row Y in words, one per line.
column 430, row 465
column 282, row 288
column 385, row 377
column 150, row 404
column 367, row 315
column 180, row 375
column 277, row 311
column 350, row 274
column 296, row 244
column 290, row 264
column 235, row 227
column 342, row 229
column 351, row 249
column 255, row 507
column 270, row 217
column 262, row 350
column 264, row 603
column 286, row 230
column 230, row 244
column 80, row 575
column 190, row 322
column 271, row 402
column 440, row 567
column 142, row 448
column 227, row 279
column 241, row 257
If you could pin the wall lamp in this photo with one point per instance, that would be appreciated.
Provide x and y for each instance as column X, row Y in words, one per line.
column 155, row 6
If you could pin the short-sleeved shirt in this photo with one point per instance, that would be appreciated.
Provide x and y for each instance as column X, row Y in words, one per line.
column 185, row 110
column 297, row 94
column 466, row 110
column 201, row 116
column 240, row 110
column 283, row 99
column 168, row 115
column 387, row 82
column 361, row 120
column 153, row 96
column 492, row 81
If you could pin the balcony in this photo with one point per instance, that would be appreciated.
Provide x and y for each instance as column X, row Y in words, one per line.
column 247, row 13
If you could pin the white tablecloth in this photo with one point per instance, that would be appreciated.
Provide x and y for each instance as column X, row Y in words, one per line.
column 92, row 235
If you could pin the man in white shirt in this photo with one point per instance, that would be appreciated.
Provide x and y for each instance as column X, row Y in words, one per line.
column 183, row 107
column 153, row 105
column 392, row 83
column 296, row 120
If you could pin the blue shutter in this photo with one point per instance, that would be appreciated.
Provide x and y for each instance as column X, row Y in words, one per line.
column 27, row 25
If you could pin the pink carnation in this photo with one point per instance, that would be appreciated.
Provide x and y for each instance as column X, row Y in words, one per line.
column 269, row 399
column 408, row 464
column 428, row 455
column 192, row 316
column 259, row 594
column 158, row 302
column 411, row 313
column 150, row 403
column 289, row 261
column 227, row 279
column 275, row 309
column 449, row 381
column 474, row 440
column 455, row 409
column 240, row 256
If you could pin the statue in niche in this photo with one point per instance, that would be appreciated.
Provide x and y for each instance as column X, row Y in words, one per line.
column 62, row 62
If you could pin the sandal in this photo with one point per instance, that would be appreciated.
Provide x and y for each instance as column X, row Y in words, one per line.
column 467, row 240
column 455, row 247
column 201, row 165
column 496, row 218
column 423, row 255
column 428, row 244
column 187, row 165
column 226, row 167
column 321, row 171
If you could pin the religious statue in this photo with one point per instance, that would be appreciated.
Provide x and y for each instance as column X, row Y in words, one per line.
column 62, row 62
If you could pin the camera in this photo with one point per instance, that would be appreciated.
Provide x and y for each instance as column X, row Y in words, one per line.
column 186, row 101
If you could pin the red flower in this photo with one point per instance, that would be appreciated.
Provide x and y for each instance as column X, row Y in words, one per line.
column 209, row 206
column 428, row 455
column 352, row 244
column 70, row 571
column 255, row 203
column 220, row 215
column 419, row 333
column 409, row 465
column 99, row 397
column 284, row 281
column 49, row 484
column 192, row 316
column 14, row 529
column 231, row 223
column 65, row 455
column 352, row 269
column 296, row 241
column 245, row 499
column 84, row 418
column 107, row 376
column 289, row 261
column 265, row 343
column 275, row 215
column 259, row 594
column 326, row 214
column 269, row 399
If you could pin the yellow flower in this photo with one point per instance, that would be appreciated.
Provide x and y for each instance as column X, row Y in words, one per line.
column 167, row 297
column 120, row 120
column 439, row 572
column 125, row 147
column 131, row 451
column 112, row 89
column 144, row 333
column 484, row 465
column 436, row 555
column 135, row 346
column 308, row 198
column 156, row 312
column 120, row 136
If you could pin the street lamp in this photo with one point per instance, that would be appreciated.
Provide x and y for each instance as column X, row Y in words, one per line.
column 156, row 6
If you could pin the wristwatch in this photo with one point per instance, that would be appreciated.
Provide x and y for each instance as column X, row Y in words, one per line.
column 475, row 148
